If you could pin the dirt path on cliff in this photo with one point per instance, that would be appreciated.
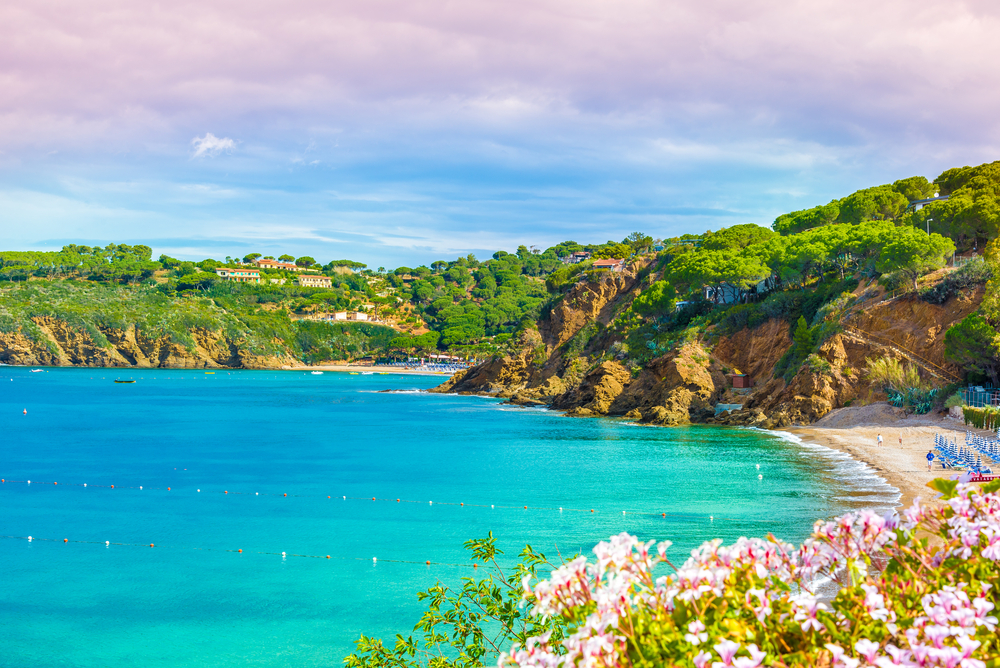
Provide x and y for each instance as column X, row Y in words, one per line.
column 854, row 430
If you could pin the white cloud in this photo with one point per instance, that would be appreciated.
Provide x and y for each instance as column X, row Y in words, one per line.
column 211, row 146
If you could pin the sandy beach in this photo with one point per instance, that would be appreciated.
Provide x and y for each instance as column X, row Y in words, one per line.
column 358, row 368
column 854, row 431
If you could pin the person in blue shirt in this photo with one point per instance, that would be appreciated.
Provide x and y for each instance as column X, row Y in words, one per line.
column 930, row 458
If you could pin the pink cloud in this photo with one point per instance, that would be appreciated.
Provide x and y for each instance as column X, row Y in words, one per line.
column 73, row 70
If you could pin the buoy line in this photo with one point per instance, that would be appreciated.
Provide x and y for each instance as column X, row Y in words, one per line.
column 690, row 517
column 373, row 560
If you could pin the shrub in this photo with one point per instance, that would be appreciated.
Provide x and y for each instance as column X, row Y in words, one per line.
column 973, row 273
column 754, row 603
column 904, row 600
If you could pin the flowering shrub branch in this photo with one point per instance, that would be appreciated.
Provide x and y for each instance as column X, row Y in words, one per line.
column 914, row 591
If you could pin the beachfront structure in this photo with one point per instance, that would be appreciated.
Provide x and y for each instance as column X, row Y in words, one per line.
column 576, row 258
column 609, row 265
column 740, row 380
column 264, row 263
column 315, row 281
column 240, row 275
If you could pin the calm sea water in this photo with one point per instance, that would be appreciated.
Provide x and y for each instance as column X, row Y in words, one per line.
column 190, row 601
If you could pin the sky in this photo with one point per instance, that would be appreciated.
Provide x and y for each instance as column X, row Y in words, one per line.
column 401, row 132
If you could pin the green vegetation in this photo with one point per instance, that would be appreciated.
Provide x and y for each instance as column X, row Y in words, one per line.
column 805, row 271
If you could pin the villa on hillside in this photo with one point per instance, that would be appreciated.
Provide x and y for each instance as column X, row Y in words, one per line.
column 264, row 263
column 726, row 293
column 315, row 281
column 238, row 275
column 576, row 258
column 610, row 264
column 918, row 204
column 349, row 316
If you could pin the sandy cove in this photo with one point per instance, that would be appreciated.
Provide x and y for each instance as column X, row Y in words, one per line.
column 854, row 431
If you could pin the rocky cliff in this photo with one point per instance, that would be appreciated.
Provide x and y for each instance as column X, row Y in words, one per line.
column 56, row 343
column 569, row 362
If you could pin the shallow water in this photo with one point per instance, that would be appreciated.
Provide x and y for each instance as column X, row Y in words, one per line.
column 192, row 600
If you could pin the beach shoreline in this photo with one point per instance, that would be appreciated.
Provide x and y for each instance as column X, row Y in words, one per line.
column 359, row 368
column 854, row 431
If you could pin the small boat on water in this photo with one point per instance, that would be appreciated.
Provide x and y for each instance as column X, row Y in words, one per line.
column 316, row 373
column 209, row 373
column 124, row 381
column 353, row 373
column 366, row 373
column 36, row 370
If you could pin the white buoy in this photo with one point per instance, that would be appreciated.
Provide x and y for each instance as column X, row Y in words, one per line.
column 758, row 467
column 711, row 518
column 140, row 486
column 29, row 482
column 256, row 493
column 345, row 498
column 107, row 543
column 282, row 554
column 374, row 559
column 430, row 502
column 199, row 490
column 29, row 538
column 623, row 512
column 560, row 510
column 492, row 506
column 760, row 477
column 84, row 484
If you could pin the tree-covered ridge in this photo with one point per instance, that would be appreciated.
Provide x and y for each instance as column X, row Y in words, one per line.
column 967, row 209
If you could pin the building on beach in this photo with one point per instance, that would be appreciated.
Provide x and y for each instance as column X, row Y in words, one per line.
column 240, row 275
column 315, row 281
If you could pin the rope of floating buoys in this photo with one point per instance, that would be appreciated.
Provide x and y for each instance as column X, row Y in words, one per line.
column 108, row 543
column 461, row 504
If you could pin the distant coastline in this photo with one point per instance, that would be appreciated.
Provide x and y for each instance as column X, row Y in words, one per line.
column 362, row 368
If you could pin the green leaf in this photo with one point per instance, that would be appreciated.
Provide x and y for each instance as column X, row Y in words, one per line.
column 992, row 486
column 945, row 487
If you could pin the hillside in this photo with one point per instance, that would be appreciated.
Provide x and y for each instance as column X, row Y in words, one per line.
column 847, row 302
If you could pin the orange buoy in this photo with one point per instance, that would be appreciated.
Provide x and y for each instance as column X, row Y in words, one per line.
column 65, row 540
column 227, row 491
column 112, row 486
column 286, row 494
column 664, row 514
column 151, row 545
column 428, row 563
column 475, row 565
column 373, row 498
column 591, row 510
column 239, row 550
column 55, row 483
column 328, row 497
column 328, row 556
column 461, row 504
column 168, row 489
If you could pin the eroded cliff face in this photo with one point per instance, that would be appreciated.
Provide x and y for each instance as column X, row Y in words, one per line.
column 685, row 385
column 62, row 345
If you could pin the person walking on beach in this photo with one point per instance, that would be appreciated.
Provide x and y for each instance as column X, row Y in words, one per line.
column 930, row 458
column 878, row 440
column 900, row 439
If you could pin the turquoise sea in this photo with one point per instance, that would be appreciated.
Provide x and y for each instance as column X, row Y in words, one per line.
column 192, row 600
